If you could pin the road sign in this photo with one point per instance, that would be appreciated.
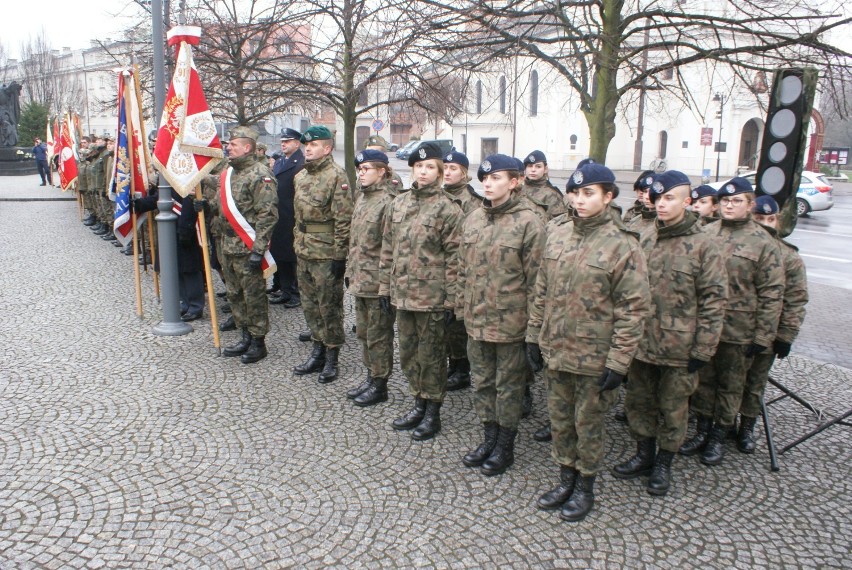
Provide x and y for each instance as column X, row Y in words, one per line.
column 706, row 136
column 378, row 125
column 720, row 147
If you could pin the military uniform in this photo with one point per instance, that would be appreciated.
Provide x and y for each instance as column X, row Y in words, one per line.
column 83, row 185
column 633, row 212
column 644, row 223
column 547, row 196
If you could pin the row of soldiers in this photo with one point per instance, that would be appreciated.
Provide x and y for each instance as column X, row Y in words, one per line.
column 691, row 304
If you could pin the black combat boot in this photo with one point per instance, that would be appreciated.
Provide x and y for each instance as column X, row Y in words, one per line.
column 353, row 393
column 315, row 361
column 699, row 440
column 476, row 457
column 329, row 371
column 640, row 464
column 413, row 417
column 714, row 451
column 620, row 416
column 544, row 433
column 581, row 501
column 305, row 336
column 557, row 496
column 256, row 351
column 99, row 229
column 375, row 394
column 460, row 378
column 228, row 324
column 503, row 455
column 431, row 423
column 526, row 405
column 745, row 437
column 241, row 347
column 661, row 476
column 89, row 220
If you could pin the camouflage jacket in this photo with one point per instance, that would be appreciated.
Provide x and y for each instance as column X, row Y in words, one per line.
column 365, row 247
column 538, row 209
column 255, row 195
column 419, row 263
column 95, row 172
column 82, row 174
column 795, row 291
column 465, row 196
column 591, row 296
column 643, row 223
column 689, row 286
column 323, row 209
column 499, row 258
column 755, row 281
column 109, row 162
column 634, row 211
column 546, row 195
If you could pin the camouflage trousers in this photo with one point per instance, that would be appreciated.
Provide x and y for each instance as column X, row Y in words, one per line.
column 498, row 371
column 89, row 202
column 457, row 340
column 577, row 416
column 246, row 294
column 422, row 353
column 720, row 384
column 655, row 391
column 322, row 301
column 375, row 331
column 755, row 384
column 107, row 209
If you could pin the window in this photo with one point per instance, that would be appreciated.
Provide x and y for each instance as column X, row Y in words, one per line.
column 573, row 140
column 503, row 94
column 533, row 93
column 362, row 97
column 668, row 73
column 478, row 96
column 684, row 144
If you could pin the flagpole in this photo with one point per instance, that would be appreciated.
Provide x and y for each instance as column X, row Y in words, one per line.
column 211, row 293
column 137, row 276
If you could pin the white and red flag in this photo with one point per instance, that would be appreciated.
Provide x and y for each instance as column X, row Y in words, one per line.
column 188, row 147
column 48, row 139
column 67, row 156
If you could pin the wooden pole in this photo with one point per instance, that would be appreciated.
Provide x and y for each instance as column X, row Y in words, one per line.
column 136, row 273
column 211, row 293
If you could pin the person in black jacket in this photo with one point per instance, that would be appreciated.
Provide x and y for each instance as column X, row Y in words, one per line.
column 285, row 288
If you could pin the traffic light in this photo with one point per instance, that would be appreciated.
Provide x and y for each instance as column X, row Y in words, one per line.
column 784, row 140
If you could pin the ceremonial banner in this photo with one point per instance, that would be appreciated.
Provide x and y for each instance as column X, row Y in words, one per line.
column 49, row 140
column 188, row 147
column 67, row 158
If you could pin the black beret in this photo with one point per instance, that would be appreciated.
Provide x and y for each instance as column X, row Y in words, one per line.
column 496, row 163
column 736, row 185
column 535, row 156
column 667, row 180
column 456, row 157
column 424, row 152
column 370, row 155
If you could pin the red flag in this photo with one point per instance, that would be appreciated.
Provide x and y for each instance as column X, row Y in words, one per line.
column 67, row 160
column 188, row 146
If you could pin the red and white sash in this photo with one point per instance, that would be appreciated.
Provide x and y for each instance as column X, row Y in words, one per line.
column 239, row 223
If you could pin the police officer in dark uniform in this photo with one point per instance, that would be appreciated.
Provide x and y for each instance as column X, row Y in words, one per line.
column 285, row 286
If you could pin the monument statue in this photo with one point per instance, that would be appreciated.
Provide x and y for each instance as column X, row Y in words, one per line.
column 10, row 114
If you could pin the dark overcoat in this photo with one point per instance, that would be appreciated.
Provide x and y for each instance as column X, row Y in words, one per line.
column 285, row 169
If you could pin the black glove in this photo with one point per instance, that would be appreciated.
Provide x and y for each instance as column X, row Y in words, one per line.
column 610, row 380
column 694, row 365
column 338, row 268
column 200, row 205
column 134, row 205
column 254, row 262
column 346, row 282
column 534, row 358
column 385, row 306
column 781, row 348
column 186, row 238
column 449, row 317
column 754, row 349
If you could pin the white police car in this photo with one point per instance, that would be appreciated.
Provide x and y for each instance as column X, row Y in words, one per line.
column 814, row 191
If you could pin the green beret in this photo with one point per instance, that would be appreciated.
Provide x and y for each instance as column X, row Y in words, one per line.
column 243, row 133
column 316, row 133
column 376, row 140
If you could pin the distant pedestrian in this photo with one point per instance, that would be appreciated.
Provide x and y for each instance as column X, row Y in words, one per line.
column 40, row 155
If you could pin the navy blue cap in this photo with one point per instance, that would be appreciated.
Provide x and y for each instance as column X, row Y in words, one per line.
column 520, row 164
column 584, row 162
column 644, row 180
column 496, row 163
column 702, row 191
column 736, row 185
column 765, row 205
column 370, row 155
column 589, row 174
column 456, row 157
column 290, row 134
column 535, row 156
column 667, row 180
column 425, row 151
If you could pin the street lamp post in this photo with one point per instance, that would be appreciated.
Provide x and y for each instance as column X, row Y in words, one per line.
column 721, row 100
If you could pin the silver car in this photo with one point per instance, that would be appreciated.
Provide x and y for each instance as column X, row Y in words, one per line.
column 814, row 192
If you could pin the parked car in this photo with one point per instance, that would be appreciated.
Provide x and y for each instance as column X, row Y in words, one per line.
column 404, row 151
column 446, row 146
column 393, row 147
column 814, row 192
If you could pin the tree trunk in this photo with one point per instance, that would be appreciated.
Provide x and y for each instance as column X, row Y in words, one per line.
column 349, row 117
column 600, row 113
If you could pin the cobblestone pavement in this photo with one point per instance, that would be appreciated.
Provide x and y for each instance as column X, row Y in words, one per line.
column 121, row 449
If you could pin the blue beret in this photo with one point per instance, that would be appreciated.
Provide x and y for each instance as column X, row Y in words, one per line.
column 316, row 133
column 585, row 161
column 496, row 163
column 736, row 185
column 765, row 205
column 702, row 191
column 645, row 180
column 456, row 157
column 589, row 174
column 290, row 134
column 520, row 164
column 535, row 156
column 370, row 155
column 425, row 151
column 667, row 180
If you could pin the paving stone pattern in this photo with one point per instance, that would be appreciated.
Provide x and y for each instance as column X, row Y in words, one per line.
column 121, row 449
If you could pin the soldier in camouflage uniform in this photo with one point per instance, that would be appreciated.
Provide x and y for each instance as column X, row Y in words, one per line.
column 498, row 261
column 640, row 187
column 254, row 192
column 418, row 272
column 644, row 222
column 323, row 211
column 109, row 205
column 83, row 184
column 590, row 303
column 374, row 326
column 689, row 286
column 705, row 204
column 376, row 142
column 95, row 183
column 457, row 184
column 765, row 212
column 755, row 292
